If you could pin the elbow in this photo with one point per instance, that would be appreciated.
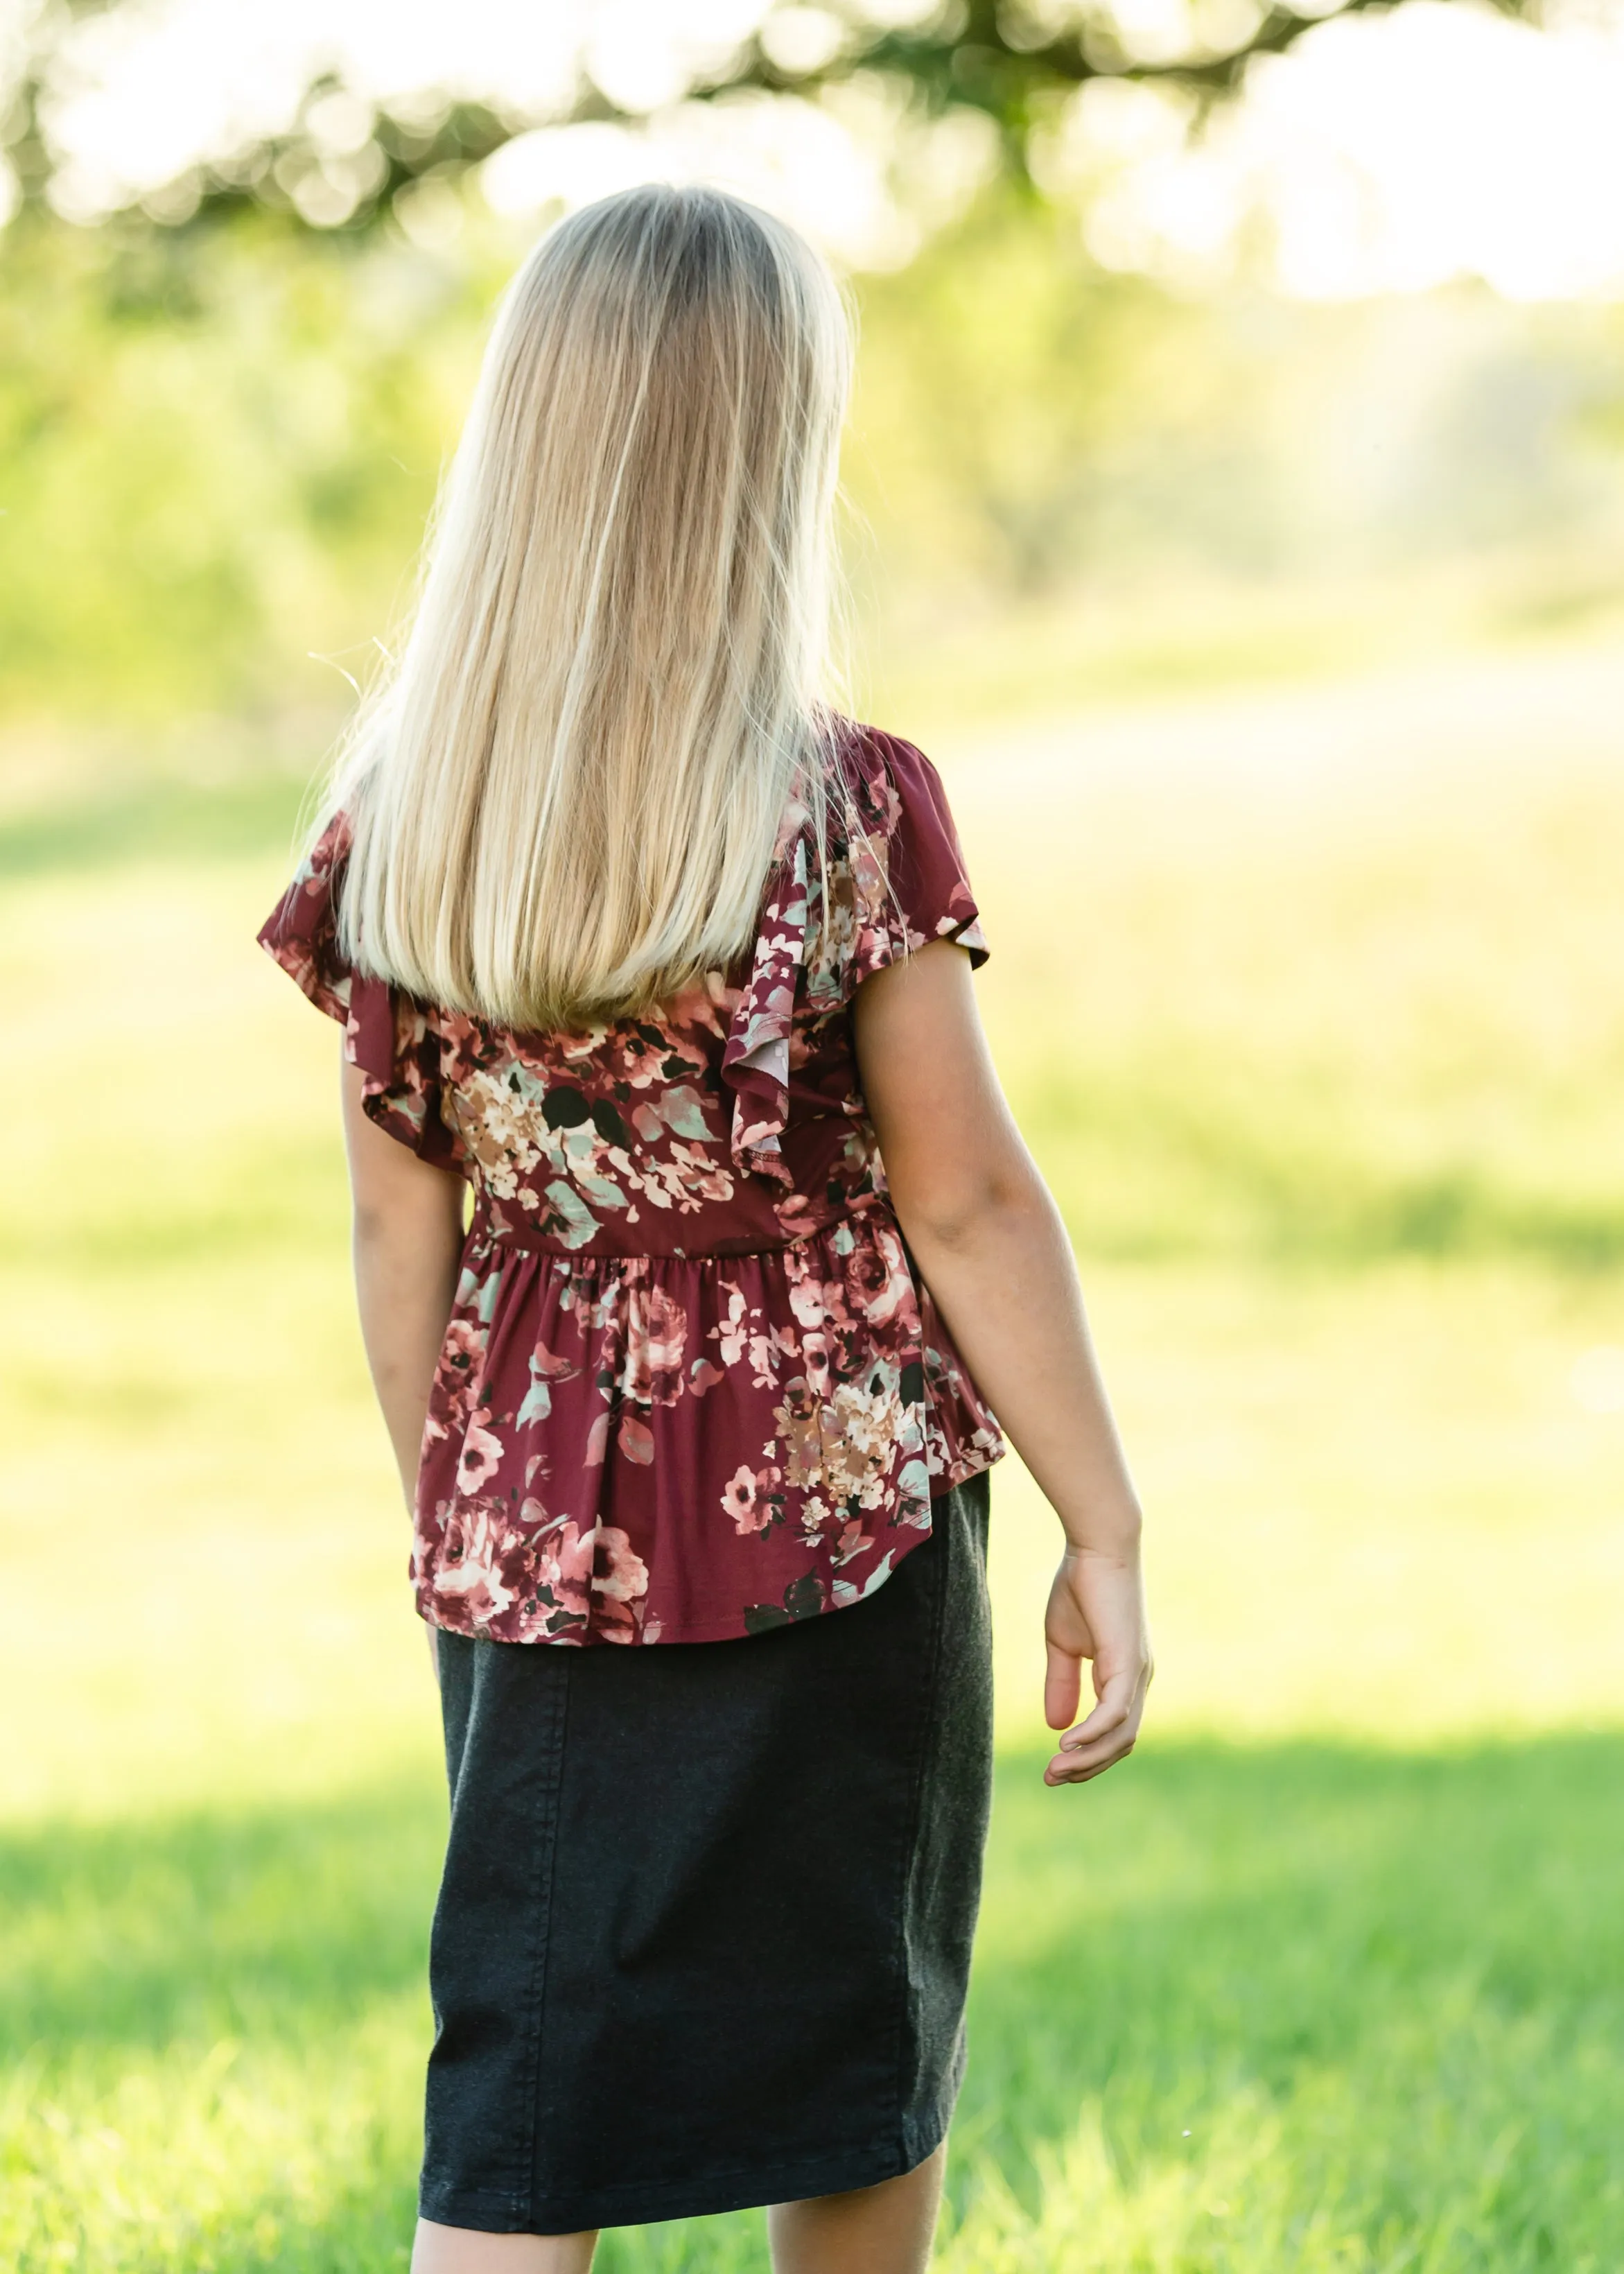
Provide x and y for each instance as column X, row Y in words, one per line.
column 952, row 1216
column 377, row 1230
column 370, row 1226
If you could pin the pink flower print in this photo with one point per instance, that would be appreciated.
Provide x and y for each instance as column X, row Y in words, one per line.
column 869, row 879
column 701, row 1175
column 765, row 1351
column 656, row 1341
column 460, row 1352
column 564, row 1568
column 814, row 1357
column 594, row 1575
column 485, row 1561
column 797, row 1422
column 877, row 1282
column 741, row 1500
column 703, row 1376
column 692, row 1008
column 636, row 1054
column 636, row 1440
column 805, row 1298
column 618, row 1571
column 456, row 1373
column 544, row 1370
column 482, row 1452
column 793, row 1212
column 851, row 1542
column 730, row 1332
column 614, row 1621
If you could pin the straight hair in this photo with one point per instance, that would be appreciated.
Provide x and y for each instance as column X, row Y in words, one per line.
column 566, row 794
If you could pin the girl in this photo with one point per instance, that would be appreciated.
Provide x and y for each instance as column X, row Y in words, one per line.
column 671, row 966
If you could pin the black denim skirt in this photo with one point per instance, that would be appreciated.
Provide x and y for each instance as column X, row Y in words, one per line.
column 704, row 1930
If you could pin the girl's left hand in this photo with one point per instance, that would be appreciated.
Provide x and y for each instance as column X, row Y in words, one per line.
column 1096, row 1611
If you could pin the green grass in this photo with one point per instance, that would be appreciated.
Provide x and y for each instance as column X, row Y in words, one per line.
column 1303, row 2006
column 1328, row 1977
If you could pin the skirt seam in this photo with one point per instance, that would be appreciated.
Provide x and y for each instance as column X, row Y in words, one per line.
column 941, row 1530
column 546, row 1858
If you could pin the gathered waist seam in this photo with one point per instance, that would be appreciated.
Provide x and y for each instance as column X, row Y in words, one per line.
column 481, row 1231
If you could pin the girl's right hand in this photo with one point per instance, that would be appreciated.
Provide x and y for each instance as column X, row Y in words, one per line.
column 1096, row 1611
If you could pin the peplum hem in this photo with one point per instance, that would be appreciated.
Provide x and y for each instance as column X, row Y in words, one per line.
column 755, row 1439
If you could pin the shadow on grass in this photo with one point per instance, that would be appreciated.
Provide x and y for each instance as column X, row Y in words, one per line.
column 1205, row 1928
column 1250, row 1898
column 280, row 1921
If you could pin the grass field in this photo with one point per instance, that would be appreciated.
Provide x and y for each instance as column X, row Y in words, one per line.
column 1313, row 1006
column 1301, row 2006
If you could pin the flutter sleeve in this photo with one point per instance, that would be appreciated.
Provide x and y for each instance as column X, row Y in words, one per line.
column 387, row 1036
column 910, row 882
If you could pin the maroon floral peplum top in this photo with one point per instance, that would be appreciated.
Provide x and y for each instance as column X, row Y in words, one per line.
column 691, row 1386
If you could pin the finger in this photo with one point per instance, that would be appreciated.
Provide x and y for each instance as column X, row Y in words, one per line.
column 1115, row 1704
column 1068, row 1768
column 1105, row 1748
column 1108, row 1742
column 1062, row 1687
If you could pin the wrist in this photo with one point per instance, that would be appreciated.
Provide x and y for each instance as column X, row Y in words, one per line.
column 1105, row 1537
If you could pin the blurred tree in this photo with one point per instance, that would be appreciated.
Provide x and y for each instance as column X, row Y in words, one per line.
column 1014, row 62
column 1009, row 389
column 218, row 441
column 216, row 451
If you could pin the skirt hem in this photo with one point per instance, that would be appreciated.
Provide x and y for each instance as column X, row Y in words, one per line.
column 493, row 2211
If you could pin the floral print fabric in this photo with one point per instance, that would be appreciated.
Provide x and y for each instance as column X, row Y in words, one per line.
column 691, row 1386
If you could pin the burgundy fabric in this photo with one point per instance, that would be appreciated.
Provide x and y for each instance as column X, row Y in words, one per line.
column 691, row 1386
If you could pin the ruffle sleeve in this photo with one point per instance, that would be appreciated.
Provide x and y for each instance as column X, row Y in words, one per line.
column 898, row 884
column 387, row 1035
column 909, row 885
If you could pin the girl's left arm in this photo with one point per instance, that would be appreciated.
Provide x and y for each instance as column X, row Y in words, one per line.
column 407, row 1245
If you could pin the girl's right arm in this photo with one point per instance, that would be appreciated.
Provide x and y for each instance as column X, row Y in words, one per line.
column 408, row 1246
column 990, row 1246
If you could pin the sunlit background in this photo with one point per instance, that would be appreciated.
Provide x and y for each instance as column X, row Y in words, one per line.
column 1235, row 509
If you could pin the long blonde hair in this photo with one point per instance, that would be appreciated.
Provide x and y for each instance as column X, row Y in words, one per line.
column 565, row 795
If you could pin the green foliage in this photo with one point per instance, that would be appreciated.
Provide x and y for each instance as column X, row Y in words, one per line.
column 1029, row 425
column 216, row 452
column 218, row 447
column 1006, row 385
column 1013, row 62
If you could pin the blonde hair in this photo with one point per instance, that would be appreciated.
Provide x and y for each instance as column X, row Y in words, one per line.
column 565, row 795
